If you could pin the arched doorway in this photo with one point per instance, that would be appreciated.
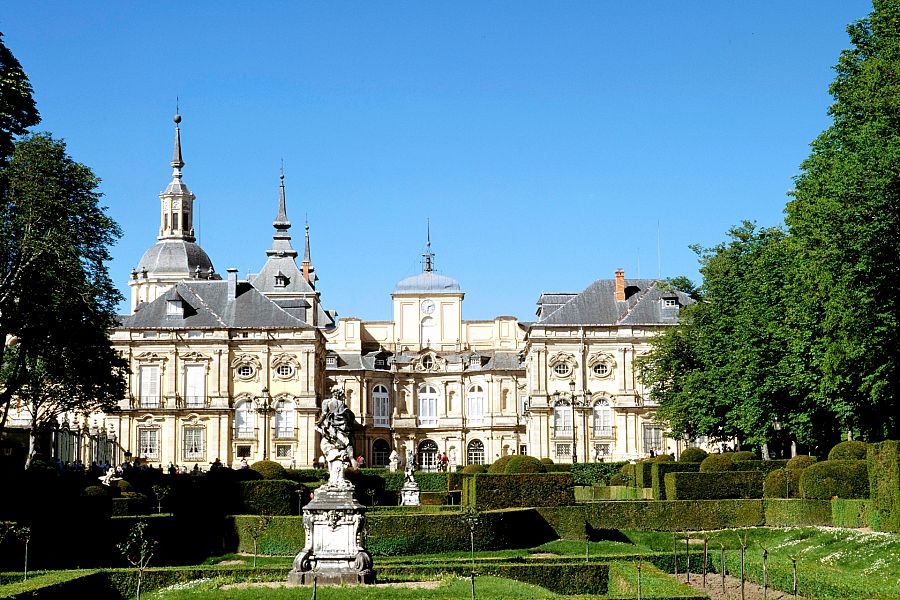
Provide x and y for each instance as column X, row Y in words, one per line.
column 427, row 456
column 381, row 451
column 475, row 453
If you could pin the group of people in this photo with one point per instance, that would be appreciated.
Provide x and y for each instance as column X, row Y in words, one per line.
column 443, row 462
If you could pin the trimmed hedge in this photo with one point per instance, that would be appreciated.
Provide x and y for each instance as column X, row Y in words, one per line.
column 270, row 497
column 499, row 466
column 717, row 463
column 652, row 515
column 269, row 469
column 883, row 461
column 596, row 493
column 693, row 455
column 781, row 512
column 714, row 486
column 598, row 473
column 490, row 492
column 849, row 450
column 763, row 466
column 841, row 478
column 524, row 464
column 658, row 472
column 850, row 513
column 742, row 455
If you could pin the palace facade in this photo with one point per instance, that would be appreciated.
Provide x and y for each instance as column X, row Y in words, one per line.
column 228, row 369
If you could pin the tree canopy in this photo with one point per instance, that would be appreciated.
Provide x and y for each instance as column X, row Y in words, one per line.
column 17, row 109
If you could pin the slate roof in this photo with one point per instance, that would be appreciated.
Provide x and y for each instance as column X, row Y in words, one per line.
column 175, row 256
column 490, row 360
column 427, row 281
column 207, row 305
column 597, row 305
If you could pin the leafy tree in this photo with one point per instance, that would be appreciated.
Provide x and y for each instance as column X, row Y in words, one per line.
column 17, row 109
column 57, row 302
column 138, row 549
column 845, row 218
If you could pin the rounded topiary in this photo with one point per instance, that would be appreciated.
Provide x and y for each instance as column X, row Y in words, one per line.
column 547, row 461
column 776, row 484
column 473, row 469
column 664, row 458
column 125, row 487
column 617, row 479
column 743, row 455
column 693, row 455
column 835, row 478
column 717, row 463
column 800, row 462
column 850, row 450
column 498, row 467
column 269, row 469
column 95, row 491
column 525, row 464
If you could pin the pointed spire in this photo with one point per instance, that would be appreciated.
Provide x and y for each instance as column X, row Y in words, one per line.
column 281, row 220
column 309, row 271
column 306, row 248
column 281, row 241
column 428, row 255
column 177, row 161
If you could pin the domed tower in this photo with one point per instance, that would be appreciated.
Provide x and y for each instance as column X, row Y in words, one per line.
column 428, row 309
column 176, row 256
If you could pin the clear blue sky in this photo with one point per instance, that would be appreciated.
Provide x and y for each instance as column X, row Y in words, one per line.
column 548, row 142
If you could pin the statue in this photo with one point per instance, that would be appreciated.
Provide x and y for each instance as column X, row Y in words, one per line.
column 336, row 426
column 394, row 461
column 410, row 466
column 409, row 493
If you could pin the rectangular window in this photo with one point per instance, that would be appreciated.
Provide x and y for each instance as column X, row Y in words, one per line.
column 653, row 438
column 476, row 409
column 243, row 452
column 283, row 451
column 149, row 386
column 194, row 443
column 382, row 410
column 195, row 386
column 563, row 451
column 428, row 411
column 148, row 442
column 562, row 421
column 670, row 303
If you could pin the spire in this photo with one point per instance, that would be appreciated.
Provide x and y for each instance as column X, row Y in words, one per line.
column 428, row 255
column 281, row 241
column 309, row 271
column 177, row 215
column 177, row 162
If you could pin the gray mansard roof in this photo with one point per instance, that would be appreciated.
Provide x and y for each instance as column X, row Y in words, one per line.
column 175, row 256
column 597, row 305
column 207, row 304
column 456, row 361
column 427, row 282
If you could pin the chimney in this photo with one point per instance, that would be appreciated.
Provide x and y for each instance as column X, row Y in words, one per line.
column 232, row 283
column 620, row 285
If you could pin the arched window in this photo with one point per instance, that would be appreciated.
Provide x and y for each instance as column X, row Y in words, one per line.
column 243, row 420
column 475, row 453
column 562, row 420
column 429, row 332
column 602, row 419
column 427, row 456
column 428, row 399
column 381, row 406
column 284, row 420
column 475, row 405
column 381, row 451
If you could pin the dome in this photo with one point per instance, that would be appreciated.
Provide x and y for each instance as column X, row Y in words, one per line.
column 428, row 281
column 175, row 256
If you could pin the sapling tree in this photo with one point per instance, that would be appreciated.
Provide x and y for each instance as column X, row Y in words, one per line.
column 138, row 549
column 23, row 532
column 161, row 492
column 257, row 528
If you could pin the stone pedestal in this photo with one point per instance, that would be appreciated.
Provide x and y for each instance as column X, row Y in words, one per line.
column 409, row 494
column 333, row 523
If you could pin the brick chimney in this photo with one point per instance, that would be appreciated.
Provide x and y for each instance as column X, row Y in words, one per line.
column 620, row 285
column 232, row 283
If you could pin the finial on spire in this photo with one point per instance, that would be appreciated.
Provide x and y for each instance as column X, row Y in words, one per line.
column 281, row 220
column 428, row 255
column 177, row 161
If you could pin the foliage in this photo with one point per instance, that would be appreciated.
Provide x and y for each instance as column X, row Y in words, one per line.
column 598, row 473
column 547, row 461
column 499, row 465
column 693, row 455
column 850, row 513
column 743, row 455
column 269, row 469
column 53, row 229
column 490, row 492
column 524, row 464
column 717, row 463
column 800, row 462
column 884, row 484
column 763, row 466
column 792, row 512
column 849, row 450
column 306, row 475
column 138, row 549
column 841, row 478
column 472, row 469
column 714, row 485
column 658, row 473
column 269, row 496
column 17, row 109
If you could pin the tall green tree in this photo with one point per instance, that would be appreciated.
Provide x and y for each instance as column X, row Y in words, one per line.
column 57, row 301
column 845, row 221
column 17, row 109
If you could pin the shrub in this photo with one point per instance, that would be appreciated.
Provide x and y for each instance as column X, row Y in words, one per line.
column 525, row 464
column 598, row 473
column 491, row 492
column 95, row 491
column 797, row 513
column 306, row 475
column 693, row 455
column 777, row 485
column 269, row 469
column 884, row 483
column 840, row 478
column 499, row 465
column 763, row 466
column 714, row 485
column 559, row 468
column 743, row 455
column 658, row 472
column 618, row 479
column 850, row 513
column 849, row 450
column 664, row 458
column 124, row 486
column 800, row 462
column 717, row 463
column 472, row 469
column 270, row 497
column 547, row 461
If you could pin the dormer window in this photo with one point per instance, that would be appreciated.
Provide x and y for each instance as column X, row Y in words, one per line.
column 282, row 280
column 331, row 361
column 427, row 361
column 174, row 308
column 670, row 302
column 475, row 360
column 380, row 363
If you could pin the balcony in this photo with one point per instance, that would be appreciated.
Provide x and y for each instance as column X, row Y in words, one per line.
column 245, row 433
column 149, row 402
column 603, row 432
column 285, row 433
column 562, row 431
column 381, row 421
column 195, row 402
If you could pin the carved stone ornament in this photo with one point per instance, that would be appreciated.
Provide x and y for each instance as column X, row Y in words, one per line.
column 285, row 360
column 430, row 362
column 562, row 358
column 150, row 357
column 597, row 358
column 195, row 357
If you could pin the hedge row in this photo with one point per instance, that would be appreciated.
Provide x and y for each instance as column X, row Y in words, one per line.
column 491, row 492
column 658, row 472
column 850, row 513
column 396, row 533
column 781, row 512
column 714, row 486
column 270, row 497
column 763, row 466
column 595, row 473
column 884, row 484
column 596, row 493
column 835, row 478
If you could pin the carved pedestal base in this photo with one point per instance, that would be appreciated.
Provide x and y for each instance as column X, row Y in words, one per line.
column 333, row 553
column 409, row 495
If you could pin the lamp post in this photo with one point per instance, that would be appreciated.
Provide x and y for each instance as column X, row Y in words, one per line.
column 580, row 403
column 264, row 407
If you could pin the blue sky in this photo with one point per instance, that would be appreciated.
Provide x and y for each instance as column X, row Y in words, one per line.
column 549, row 143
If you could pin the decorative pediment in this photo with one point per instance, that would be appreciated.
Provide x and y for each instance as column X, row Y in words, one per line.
column 430, row 362
column 195, row 357
column 561, row 357
column 601, row 365
column 246, row 367
column 285, row 366
column 150, row 357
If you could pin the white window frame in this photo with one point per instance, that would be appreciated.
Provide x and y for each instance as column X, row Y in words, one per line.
column 194, row 443
column 562, row 421
column 244, row 426
column 195, row 386
column 475, row 401
column 285, row 420
column 148, row 442
column 149, row 385
column 602, row 419
column 428, row 401
column 381, row 406
column 475, row 452
column 562, row 369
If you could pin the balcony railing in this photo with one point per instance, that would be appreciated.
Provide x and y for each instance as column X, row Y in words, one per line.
column 195, row 402
column 245, row 433
column 148, row 402
column 601, row 431
column 285, row 433
column 562, row 431
column 381, row 421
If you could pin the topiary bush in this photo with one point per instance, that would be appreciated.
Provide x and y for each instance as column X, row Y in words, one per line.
column 713, row 485
column 693, row 455
column 498, row 467
column 777, row 485
column 800, row 462
column 743, row 455
column 269, row 497
column 849, row 450
column 664, row 458
column 525, row 464
column 835, row 478
column 472, row 469
column 617, row 479
column 269, row 469
column 717, row 463
column 547, row 461
column 598, row 473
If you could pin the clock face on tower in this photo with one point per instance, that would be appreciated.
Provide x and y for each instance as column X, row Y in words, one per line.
column 427, row 307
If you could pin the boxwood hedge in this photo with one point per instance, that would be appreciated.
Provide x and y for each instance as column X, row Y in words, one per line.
column 850, row 513
column 270, row 496
column 714, row 486
column 489, row 492
column 595, row 473
column 884, row 484
column 835, row 478
column 658, row 472
column 780, row 512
